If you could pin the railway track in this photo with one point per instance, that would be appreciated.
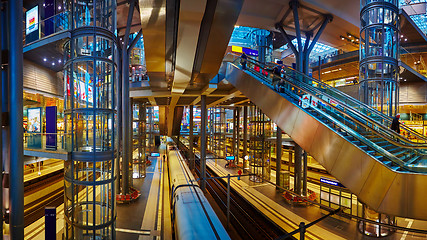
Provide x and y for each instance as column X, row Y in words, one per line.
column 35, row 209
column 245, row 218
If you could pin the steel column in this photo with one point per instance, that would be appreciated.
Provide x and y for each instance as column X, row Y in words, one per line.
column 297, row 169
column 278, row 155
column 126, row 108
column 245, row 137
column 304, row 174
column 233, row 144
column 237, row 134
column 203, row 143
column 2, row 44
column 192, row 160
column 15, row 118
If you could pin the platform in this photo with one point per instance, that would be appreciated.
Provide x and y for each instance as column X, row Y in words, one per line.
column 271, row 203
column 135, row 221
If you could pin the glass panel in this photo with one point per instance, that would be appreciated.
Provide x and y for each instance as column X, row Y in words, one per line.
column 83, row 13
column 83, row 84
column 83, row 132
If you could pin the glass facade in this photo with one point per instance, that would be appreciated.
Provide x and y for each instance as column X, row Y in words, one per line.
column 90, row 76
column 379, row 41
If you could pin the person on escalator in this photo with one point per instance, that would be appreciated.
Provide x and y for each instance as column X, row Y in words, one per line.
column 276, row 75
column 243, row 58
column 395, row 124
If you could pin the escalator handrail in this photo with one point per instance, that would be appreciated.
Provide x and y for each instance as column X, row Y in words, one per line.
column 309, row 89
column 383, row 116
column 361, row 138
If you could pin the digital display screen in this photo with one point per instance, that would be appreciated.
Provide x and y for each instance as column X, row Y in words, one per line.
column 229, row 158
column 34, row 120
column 32, row 20
column 155, row 154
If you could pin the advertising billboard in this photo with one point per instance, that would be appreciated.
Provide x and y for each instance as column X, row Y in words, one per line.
column 32, row 20
column 34, row 120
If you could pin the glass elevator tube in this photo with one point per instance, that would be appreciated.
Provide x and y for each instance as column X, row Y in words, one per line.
column 90, row 77
column 379, row 54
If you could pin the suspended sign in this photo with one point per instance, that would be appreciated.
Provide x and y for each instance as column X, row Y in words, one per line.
column 331, row 182
column 245, row 50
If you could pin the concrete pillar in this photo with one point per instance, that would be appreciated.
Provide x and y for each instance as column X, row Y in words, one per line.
column 297, row 169
column 278, row 154
column 192, row 160
column 203, row 143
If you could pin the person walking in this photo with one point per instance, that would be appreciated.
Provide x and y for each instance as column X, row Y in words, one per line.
column 243, row 60
column 395, row 124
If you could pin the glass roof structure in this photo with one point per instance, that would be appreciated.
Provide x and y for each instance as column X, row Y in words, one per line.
column 242, row 36
column 419, row 19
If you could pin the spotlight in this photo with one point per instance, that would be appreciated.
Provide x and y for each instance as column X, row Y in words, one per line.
column 59, row 61
column 59, row 7
column 53, row 64
column 406, row 39
column 44, row 59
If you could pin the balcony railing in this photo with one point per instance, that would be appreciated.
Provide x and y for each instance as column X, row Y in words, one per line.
column 46, row 27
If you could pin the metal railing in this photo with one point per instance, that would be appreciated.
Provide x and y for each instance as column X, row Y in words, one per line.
column 46, row 27
column 343, row 117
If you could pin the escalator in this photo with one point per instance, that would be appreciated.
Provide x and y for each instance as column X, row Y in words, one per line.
column 387, row 171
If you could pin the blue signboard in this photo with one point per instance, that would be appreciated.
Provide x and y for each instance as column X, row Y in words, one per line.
column 250, row 52
column 331, row 182
column 229, row 158
column 155, row 154
column 51, row 127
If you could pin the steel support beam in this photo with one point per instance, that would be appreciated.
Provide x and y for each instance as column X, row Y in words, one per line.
column 278, row 155
column 304, row 174
column 237, row 134
column 287, row 38
column 233, row 144
column 126, row 108
column 203, row 143
column 134, row 41
column 192, row 160
column 297, row 169
column 245, row 137
column 16, row 208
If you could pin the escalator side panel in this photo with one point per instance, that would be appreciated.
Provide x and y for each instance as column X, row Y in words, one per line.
column 401, row 186
column 381, row 188
column 377, row 184
column 305, row 130
column 326, row 155
column 352, row 166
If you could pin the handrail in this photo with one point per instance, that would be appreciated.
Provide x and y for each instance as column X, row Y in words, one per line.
column 55, row 19
column 386, row 120
column 393, row 134
column 355, row 134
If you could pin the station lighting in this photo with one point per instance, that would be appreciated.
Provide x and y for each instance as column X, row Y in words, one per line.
column 44, row 59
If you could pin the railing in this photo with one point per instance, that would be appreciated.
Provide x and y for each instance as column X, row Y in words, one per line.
column 54, row 24
column 375, row 117
column 44, row 141
column 343, row 117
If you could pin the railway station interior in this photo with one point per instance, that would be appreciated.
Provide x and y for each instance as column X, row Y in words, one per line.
column 213, row 119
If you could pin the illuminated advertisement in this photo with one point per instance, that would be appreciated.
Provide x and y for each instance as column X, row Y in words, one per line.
column 34, row 120
column 32, row 20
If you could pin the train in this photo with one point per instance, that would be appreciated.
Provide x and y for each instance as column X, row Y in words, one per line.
column 192, row 215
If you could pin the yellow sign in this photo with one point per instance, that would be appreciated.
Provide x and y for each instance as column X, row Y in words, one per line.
column 236, row 49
